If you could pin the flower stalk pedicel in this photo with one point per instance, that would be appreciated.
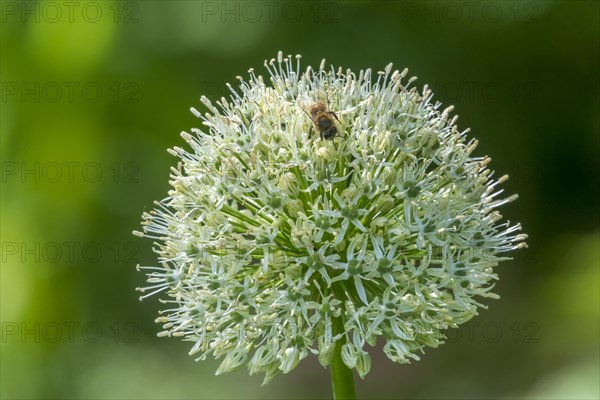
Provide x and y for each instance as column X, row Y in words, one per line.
column 275, row 242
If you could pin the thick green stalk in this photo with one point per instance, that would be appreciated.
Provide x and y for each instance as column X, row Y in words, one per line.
column 342, row 380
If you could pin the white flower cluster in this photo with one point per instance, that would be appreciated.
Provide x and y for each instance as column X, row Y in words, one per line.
column 275, row 243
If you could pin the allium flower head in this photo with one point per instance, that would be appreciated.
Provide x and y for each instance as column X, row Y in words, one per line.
column 275, row 243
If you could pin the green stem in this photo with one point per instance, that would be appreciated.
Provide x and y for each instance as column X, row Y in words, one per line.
column 342, row 381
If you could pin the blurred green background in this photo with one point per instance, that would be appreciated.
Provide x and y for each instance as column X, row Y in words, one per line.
column 94, row 92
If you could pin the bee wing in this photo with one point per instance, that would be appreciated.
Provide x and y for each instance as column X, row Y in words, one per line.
column 303, row 107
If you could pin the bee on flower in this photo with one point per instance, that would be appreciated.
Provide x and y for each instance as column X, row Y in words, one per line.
column 272, row 247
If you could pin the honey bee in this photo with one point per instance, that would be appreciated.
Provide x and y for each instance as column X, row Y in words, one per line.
column 321, row 117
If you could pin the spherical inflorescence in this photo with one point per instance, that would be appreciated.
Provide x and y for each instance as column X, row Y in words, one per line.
column 274, row 242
